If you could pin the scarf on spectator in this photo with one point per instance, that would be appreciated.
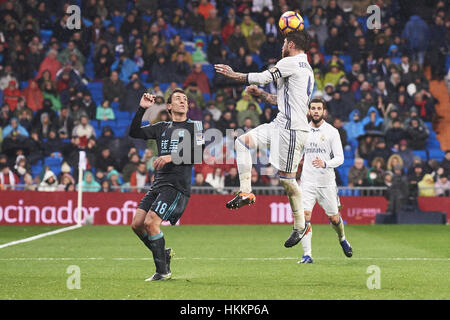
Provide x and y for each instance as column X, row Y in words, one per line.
column 10, row 179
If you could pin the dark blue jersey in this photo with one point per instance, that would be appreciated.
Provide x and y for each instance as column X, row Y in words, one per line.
column 182, row 140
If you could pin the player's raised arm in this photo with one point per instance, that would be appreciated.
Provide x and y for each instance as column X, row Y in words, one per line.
column 136, row 131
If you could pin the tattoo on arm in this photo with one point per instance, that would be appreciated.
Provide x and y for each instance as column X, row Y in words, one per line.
column 240, row 77
column 270, row 98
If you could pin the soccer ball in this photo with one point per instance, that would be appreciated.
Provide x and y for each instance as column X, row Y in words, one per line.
column 290, row 21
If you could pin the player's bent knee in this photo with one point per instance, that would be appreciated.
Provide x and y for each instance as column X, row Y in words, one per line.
column 245, row 140
column 334, row 219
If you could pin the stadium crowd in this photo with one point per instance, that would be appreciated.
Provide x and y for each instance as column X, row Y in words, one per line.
column 372, row 79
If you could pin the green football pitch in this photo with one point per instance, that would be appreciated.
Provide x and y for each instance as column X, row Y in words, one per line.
column 227, row 262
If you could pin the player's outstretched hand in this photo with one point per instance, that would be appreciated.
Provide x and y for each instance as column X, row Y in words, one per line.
column 253, row 90
column 147, row 100
column 160, row 162
column 224, row 69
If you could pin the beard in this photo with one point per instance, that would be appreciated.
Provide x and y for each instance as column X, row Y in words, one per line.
column 317, row 121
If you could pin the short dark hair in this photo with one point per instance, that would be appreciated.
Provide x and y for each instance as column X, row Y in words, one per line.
column 318, row 100
column 177, row 90
column 301, row 39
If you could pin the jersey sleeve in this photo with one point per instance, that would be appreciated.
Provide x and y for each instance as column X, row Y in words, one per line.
column 145, row 132
column 336, row 149
column 283, row 69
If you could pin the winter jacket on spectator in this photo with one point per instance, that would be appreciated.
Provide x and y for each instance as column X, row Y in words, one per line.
column 7, row 178
column 199, row 77
column 51, row 64
column 417, row 135
column 125, row 67
column 416, row 34
column 270, row 51
column 354, row 127
column 132, row 97
column 11, row 95
column 49, row 182
column 373, row 121
column 33, row 96
column 113, row 88
column 442, row 187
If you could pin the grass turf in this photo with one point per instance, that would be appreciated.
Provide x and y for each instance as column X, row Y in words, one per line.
column 227, row 262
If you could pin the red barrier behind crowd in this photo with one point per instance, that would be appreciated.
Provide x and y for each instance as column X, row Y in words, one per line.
column 40, row 208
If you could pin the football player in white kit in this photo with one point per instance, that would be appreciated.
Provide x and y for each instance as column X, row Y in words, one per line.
column 322, row 153
column 286, row 135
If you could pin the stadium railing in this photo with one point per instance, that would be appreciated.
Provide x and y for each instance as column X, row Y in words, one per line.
column 266, row 190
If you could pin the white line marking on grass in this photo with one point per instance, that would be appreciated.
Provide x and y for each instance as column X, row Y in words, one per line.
column 218, row 259
column 39, row 236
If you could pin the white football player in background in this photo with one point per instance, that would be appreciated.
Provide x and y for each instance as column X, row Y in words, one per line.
column 322, row 153
column 286, row 135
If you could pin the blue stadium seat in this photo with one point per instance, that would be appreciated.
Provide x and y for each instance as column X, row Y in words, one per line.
column 206, row 96
column 257, row 60
column 110, row 123
column 96, row 89
column 437, row 154
column 46, row 35
column 422, row 154
column 349, row 154
column 347, row 63
column 36, row 169
column 397, row 60
column 53, row 161
column 209, row 70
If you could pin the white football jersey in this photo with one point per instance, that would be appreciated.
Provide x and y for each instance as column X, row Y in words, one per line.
column 294, row 78
column 323, row 143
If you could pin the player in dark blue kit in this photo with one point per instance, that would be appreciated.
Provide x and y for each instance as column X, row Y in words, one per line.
column 180, row 145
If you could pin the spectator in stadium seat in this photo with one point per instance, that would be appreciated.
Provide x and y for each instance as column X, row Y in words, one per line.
column 237, row 40
column 245, row 102
column 139, row 178
column 373, row 122
column 65, row 180
column 423, row 101
column 53, row 145
column 7, row 178
column 49, row 182
column 337, row 107
column 393, row 161
column 216, row 179
column 89, row 184
column 88, row 105
column 133, row 92
column 395, row 134
column 445, row 163
column 334, row 42
column 251, row 112
column 213, row 23
column 357, row 175
column 333, row 75
column 337, row 123
column 180, row 69
column 14, row 126
column 270, row 50
column 84, row 129
column 375, row 175
column 199, row 77
column 426, row 186
column 354, row 127
column 113, row 88
column 51, row 64
column 417, row 135
column 193, row 93
column 416, row 35
column 102, row 62
column 381, row 150
column 33, row 96
column 267, row 116
column 130, row 167
column 232, row 178
column 442, row 186
column 11, row 95
column 125, row 67
column 200, row 181
column 105, row 112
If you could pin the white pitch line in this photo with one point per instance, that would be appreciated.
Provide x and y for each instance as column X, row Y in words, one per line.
column 39, row 236
column 218, row 259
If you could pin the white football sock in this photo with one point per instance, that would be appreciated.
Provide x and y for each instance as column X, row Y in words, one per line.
column 306, row 244
column 244, row 164
column 295, row 199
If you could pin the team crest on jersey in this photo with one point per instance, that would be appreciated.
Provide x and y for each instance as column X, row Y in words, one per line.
column 322, row 137
column 181, row 134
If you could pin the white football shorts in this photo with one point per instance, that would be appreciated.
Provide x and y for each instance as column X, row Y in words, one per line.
column 285, row 146
column 327, row 197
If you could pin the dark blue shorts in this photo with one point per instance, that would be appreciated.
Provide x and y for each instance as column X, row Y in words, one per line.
column 167, row 202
